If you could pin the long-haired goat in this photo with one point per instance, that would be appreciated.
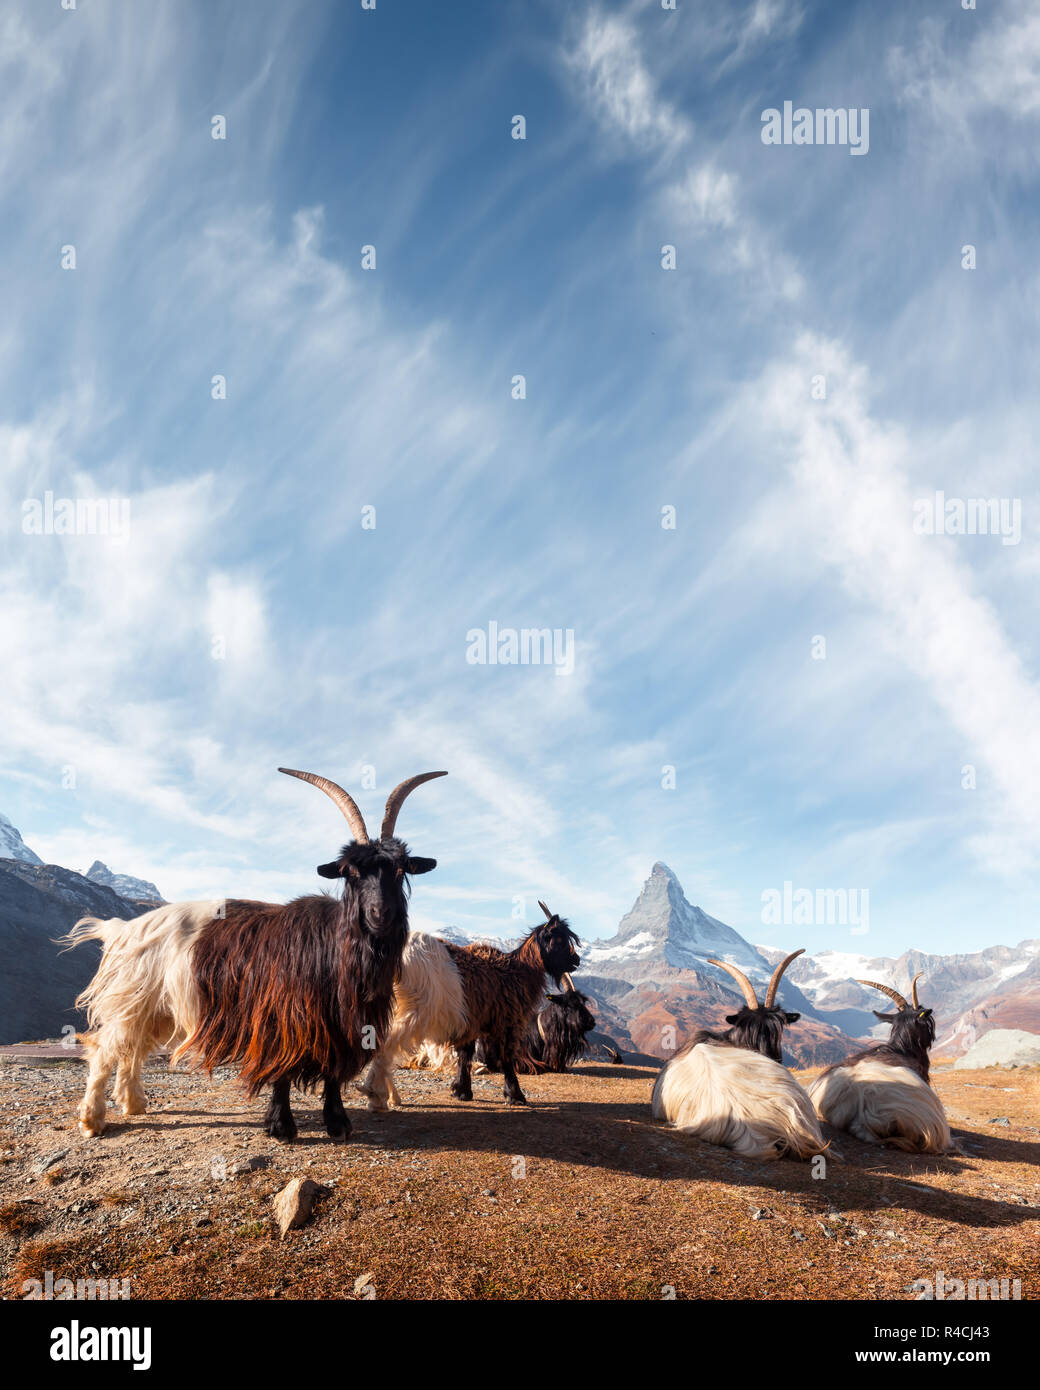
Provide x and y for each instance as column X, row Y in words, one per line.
column 883, row 1095
column 453, row 995
column 555, row 1037
column 729, row 1088
column 293, row 994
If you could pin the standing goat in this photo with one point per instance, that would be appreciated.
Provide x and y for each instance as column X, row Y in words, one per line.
column 729, row 1088
column 883, row 1094
column 293, row 994
column 555, row 1037
column 453, row 995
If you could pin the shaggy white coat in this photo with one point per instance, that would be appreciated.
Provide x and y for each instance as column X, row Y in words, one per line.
column 429, row 1011
column 142, row 997
column 739, row 1099
column 879, row 1104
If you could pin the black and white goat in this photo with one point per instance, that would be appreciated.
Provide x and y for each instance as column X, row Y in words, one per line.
column 729, row 1088
column 293, row 994
column 449, row 996
column 883, row 1095
column 555, row 1038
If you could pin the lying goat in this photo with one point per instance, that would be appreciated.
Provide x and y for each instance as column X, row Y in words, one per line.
column 292, row 994
column 729, row 1088
column 882, row 1095
column 452, row 995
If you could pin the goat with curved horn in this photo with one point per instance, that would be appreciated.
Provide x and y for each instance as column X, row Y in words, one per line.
column 396, row 799
column 893, row 994
column 343, row 800
column 883, row 1095
column 731, row 1088
column 742, row 980
column 292, row 993
column 778, row 974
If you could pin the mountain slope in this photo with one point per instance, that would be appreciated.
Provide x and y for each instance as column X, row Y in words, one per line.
column 998, row 987
column 137, row 890
column 653, row 985
column 12, row 846
column 39, row 982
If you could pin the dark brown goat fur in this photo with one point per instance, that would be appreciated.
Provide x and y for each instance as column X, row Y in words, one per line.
column 502, row 990
column 302, row 993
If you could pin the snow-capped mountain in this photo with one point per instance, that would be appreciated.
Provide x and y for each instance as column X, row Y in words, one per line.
column 12, row 846
column 652, row 981
column 970, row 993
column 133, row 889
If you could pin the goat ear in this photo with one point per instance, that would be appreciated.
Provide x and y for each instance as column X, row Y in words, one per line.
column 332, row 870
column 420, row 866
column 885, row 1018
column 732, row 1018
column 556, row 998
column 792, row 1018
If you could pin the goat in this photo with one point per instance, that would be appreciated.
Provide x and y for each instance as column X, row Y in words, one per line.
column 729, row 1088
column 883, row 1095
column 453, row 995
column 293, row 994
column 555, row 1037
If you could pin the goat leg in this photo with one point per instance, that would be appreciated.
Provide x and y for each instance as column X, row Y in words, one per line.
column 279, row 1122
column 511, row 1089
column 462, row 1087
column 337, row 1123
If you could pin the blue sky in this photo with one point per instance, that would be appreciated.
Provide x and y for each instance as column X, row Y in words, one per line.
column 126, row 739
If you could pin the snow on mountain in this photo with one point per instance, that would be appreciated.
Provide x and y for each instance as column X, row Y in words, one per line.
column 12, row 846
column 970, row 993
column 662, row 928
column 133, row 889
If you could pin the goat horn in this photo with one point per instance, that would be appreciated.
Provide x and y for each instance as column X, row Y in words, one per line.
column 548, row 914
column 343, row 800
column 395, row 800
column 913, row 989
column 541, row 1028
column 893, row 994
column 568, row 984
column 742, row 980
column 774, row 983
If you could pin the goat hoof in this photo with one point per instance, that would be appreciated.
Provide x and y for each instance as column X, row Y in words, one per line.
column 92, row 1131
column 279, row 1129
column 516, row 1100
column 460, row 1094
column 338, row 1136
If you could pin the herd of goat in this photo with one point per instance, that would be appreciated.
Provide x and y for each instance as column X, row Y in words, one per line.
column 320, row 988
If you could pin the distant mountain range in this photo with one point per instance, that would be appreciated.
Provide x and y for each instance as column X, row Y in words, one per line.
column 653, row 975
column 38, row 903
column 651, row 981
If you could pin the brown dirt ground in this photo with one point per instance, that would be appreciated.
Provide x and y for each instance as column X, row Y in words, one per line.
column 580, row 1196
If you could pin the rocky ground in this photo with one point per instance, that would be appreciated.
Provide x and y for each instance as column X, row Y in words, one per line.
column 579, row 1196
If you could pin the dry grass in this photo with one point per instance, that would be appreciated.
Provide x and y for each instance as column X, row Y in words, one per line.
column 579, row 1196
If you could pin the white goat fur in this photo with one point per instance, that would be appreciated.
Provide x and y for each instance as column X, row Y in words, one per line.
column 740, row 1099
column 879, row 1103
column 142, row 997
column 429, row 1008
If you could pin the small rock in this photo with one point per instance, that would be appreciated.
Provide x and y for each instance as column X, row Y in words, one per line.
column 362, row 1282
column 293, row 1205
column 761, row 1214
column 248, row 1165
column 1000, row 1120
column 42, row 1164
column 798, row 1235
